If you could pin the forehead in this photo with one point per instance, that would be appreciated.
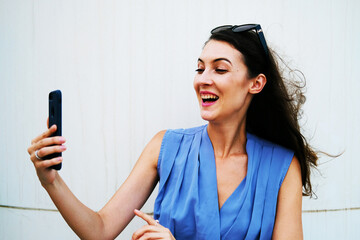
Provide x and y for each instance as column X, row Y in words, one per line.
column 218, row 49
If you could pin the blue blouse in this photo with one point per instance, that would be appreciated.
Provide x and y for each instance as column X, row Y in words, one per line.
column 187, row 202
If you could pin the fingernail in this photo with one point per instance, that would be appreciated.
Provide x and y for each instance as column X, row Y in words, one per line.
column 62, row 139
column 59, row 159
column 63, row 147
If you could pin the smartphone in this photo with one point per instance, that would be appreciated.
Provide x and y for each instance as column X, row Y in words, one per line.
column 55, row 100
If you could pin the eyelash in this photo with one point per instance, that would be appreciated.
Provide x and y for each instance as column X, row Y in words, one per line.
column 199, row 70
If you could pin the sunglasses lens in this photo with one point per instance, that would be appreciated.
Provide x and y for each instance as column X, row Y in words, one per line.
column 244, row 28
column 221, row 28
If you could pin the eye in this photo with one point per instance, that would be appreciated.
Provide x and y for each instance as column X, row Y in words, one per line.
column 221, row 70
column 199, row 70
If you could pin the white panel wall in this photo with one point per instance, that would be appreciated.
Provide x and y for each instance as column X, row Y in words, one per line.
column 125, row 69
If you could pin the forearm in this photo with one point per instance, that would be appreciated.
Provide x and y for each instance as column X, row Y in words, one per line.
column 86, row 223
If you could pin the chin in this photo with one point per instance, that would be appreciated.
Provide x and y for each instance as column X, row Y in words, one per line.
column 207, row 116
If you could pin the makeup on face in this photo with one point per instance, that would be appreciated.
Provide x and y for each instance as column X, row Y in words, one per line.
column 208, row 98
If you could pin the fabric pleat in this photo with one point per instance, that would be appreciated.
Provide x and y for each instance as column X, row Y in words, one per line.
column 187, row 202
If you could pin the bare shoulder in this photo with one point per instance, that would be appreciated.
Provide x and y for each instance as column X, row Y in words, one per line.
column 152, row 149
column 157, row 139
column 293, row 175
column 288, row 222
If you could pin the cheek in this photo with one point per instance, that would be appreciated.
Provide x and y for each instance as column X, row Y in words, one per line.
column 243, row 85
column 236, row 92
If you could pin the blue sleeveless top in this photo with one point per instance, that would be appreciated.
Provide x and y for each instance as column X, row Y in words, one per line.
column 187, row 202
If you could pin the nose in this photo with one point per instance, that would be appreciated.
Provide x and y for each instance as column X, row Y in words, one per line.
column 204, row 78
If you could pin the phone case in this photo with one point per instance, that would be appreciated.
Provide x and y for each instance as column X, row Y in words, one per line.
column 55, row 100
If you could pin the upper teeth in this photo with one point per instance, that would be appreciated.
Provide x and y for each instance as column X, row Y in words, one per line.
column 209, row 96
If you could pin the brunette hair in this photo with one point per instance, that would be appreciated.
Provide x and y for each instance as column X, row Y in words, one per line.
column 273, row 113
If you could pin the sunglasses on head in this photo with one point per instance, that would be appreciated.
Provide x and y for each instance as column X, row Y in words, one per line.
column 245, row 28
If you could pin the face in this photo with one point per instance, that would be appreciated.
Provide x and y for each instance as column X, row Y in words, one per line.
column 221, row 83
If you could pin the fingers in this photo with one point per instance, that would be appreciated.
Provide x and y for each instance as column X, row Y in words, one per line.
column 45, row 134
column 39, row 141
column 39, row 163
column 152, row 232
column 47, row 163
column 143, row 230
column 50, row 150
column 146, row 217
column 47, row 146
column 44, row 145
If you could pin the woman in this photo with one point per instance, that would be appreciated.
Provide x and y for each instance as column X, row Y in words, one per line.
column 241, row 176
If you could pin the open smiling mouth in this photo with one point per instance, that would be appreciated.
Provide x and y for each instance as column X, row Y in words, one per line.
column 209, row 99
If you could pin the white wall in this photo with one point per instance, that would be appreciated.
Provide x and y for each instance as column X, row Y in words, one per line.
column 125, row 69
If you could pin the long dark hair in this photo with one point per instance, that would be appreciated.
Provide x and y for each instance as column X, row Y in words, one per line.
column 273, row 113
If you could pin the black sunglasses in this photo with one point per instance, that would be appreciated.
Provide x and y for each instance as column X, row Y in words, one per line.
column 245, row 28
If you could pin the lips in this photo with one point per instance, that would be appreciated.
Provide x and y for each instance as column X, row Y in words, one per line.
column 208, row 98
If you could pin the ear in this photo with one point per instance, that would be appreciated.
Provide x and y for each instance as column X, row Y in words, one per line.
column 258, row 84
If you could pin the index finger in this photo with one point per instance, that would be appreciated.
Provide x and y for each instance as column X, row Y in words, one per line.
column 45, row 134
column 146, row 217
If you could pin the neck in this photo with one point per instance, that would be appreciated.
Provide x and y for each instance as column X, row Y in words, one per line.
column 228, row 139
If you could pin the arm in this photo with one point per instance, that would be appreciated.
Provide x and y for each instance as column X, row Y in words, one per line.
column 135, row 190
column 288, row 223
column 117, row 213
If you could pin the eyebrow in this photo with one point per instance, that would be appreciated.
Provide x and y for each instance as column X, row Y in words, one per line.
column 217, row 60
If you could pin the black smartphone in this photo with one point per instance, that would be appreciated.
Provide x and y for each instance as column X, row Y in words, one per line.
column 55, row 100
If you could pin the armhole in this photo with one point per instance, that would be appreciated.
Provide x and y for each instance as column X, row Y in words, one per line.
column 161, row 152
column 287, row 162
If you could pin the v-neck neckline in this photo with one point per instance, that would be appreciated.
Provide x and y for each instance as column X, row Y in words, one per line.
column 242, row 184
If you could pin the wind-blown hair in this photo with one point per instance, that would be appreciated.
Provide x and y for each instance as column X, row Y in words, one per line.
column 273, row 113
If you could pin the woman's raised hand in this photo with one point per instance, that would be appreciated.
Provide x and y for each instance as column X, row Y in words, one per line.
column 44, row 145
column 151, row 231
